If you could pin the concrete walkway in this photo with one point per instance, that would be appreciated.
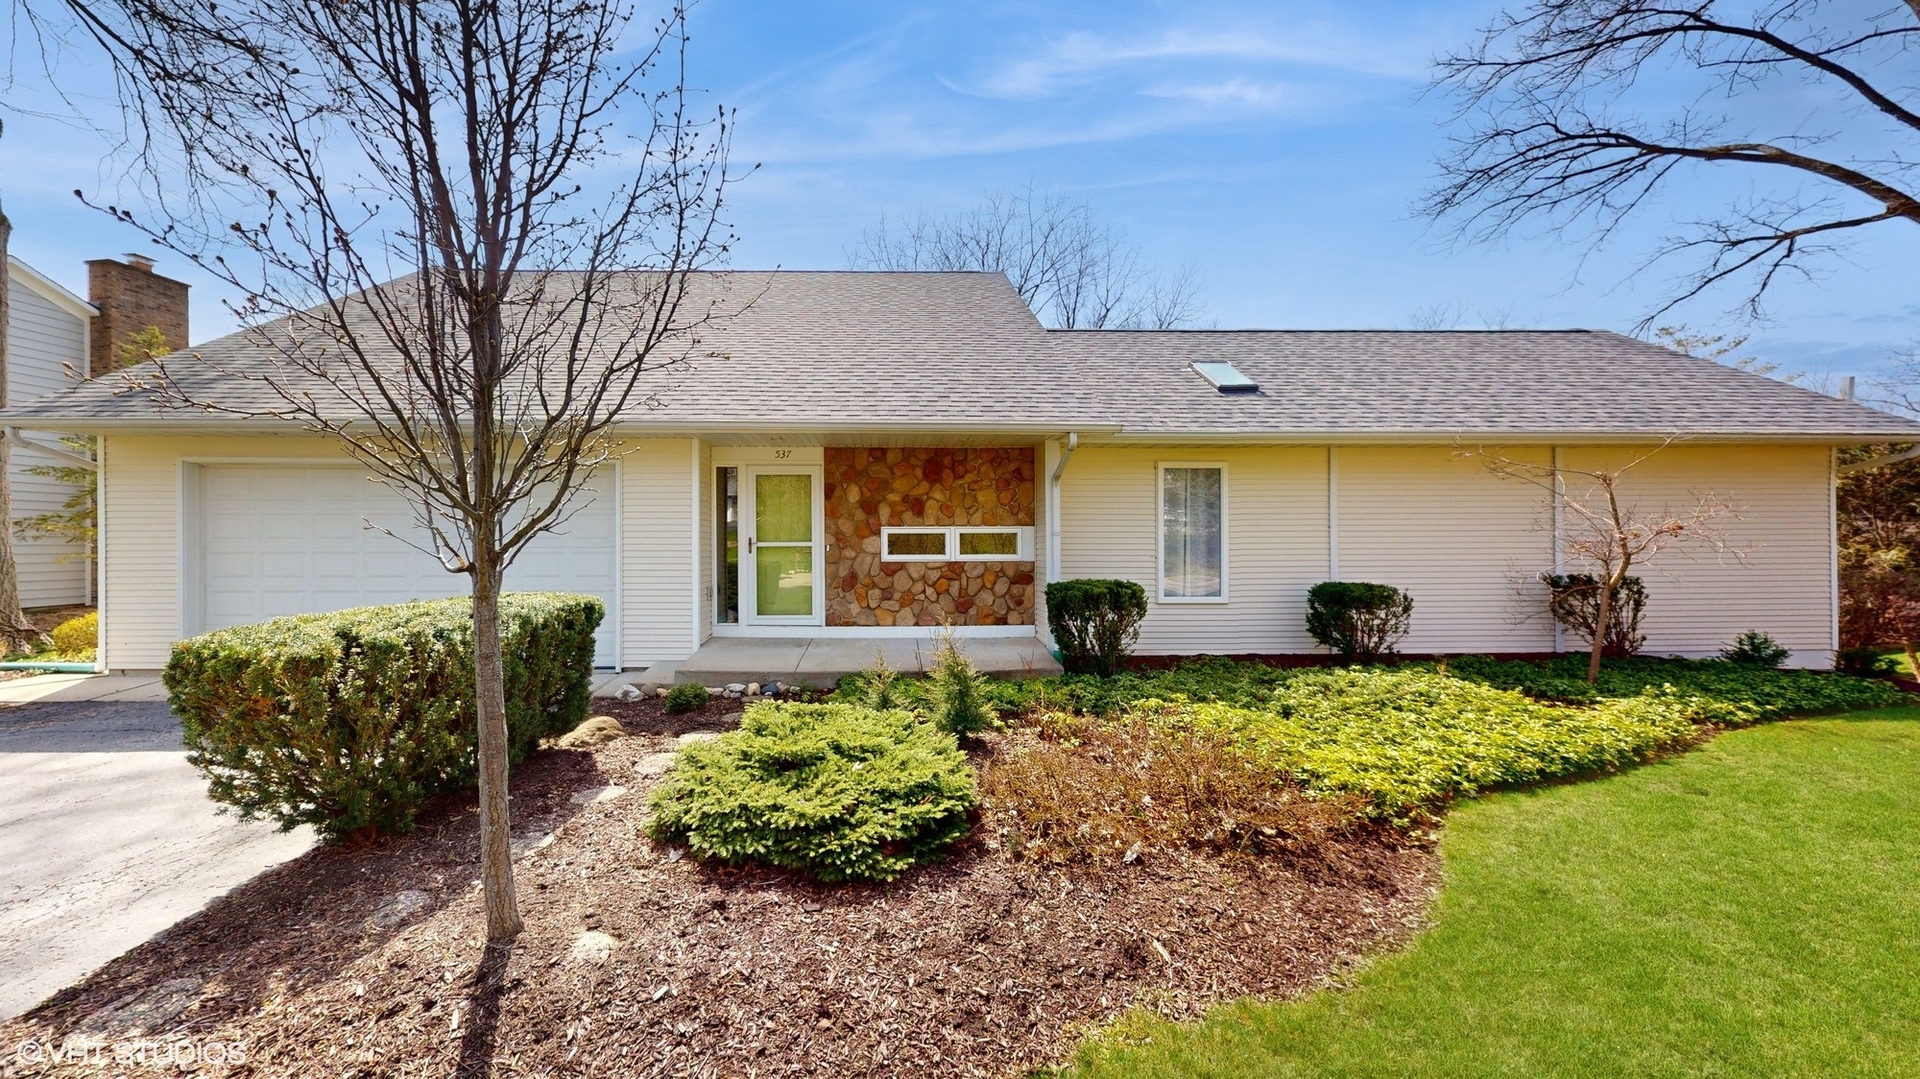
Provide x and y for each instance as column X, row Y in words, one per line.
column 83, row 687
column 823, row 660
column 106, row 835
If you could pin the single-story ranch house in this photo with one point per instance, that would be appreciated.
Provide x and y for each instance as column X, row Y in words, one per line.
column 868, row 455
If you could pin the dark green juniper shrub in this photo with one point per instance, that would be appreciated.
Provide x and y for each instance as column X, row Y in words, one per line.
column 1756, row 649
column 835, row 791
column 1095, row 623
column 687, row 697
column 351, row 721
column 1358, row 620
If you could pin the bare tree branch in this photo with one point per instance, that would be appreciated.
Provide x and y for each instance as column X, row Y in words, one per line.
column 1551, row 131
column 1074, row 270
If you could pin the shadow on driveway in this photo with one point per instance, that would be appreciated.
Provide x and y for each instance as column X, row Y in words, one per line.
column 106, row 837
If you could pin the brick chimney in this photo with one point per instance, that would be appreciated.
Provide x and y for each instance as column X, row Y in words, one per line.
column 131, row 297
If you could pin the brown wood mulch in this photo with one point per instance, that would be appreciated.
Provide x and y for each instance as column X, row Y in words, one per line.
column 978, row 966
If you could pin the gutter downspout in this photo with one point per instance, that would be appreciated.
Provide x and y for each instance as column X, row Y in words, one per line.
column 1053, row 509
column 18, row 441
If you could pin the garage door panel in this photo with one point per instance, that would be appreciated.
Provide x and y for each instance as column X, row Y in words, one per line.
column 294, row 540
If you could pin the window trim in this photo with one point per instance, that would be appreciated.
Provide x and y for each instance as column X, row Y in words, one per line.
column 951, row 552
column 1160, row 533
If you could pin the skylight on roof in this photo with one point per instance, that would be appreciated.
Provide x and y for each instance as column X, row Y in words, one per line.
column 1226, row 377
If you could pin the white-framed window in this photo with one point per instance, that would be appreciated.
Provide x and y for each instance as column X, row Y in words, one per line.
column 1193, row 532
column 965, row 543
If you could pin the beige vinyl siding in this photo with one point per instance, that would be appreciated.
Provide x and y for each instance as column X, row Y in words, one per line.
column 43, row 339
column 1455, row 538
column 1779, row 577
column 1465, row 544
column 657, row 523
column 709, row 541
column 141, row 520
column 1276, row 541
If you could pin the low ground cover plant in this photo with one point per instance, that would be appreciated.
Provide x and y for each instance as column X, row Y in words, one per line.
column 351, row 721
column 1408, row 740
column 1767, row 692
column 836, row 791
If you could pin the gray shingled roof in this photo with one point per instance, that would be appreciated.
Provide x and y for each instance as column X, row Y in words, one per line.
column 846, row 351
column 1383, row 383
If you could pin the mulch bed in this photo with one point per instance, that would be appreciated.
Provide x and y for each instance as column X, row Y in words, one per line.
column 978, row 966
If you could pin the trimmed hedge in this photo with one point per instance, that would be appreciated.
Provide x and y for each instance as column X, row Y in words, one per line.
column 1095, row 623
column 836, row 791
column 1357, row 619
column 351, row 721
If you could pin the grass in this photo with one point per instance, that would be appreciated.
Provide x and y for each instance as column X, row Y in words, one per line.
column 1746, row 909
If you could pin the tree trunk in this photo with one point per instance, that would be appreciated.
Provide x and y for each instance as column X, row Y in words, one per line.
column 1600, row 620
column 16, row 633
column 490, row 697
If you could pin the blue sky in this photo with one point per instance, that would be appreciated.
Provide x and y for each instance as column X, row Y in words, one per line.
column 1276, row 148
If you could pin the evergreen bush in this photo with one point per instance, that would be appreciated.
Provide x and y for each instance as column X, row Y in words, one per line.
column 1358, row 620
column 1095, row 623
column 351, row 721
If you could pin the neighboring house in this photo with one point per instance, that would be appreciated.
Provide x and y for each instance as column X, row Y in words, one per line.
column 870, row 454
column 48, row 339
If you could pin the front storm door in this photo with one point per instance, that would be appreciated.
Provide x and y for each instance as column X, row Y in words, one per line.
column 781, row 582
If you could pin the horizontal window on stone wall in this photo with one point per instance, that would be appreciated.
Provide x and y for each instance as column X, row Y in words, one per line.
column 961, row 544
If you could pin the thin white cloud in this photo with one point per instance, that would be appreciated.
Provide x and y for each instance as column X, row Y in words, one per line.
column 1247, row 93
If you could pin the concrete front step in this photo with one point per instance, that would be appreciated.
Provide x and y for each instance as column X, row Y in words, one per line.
column 821, row 661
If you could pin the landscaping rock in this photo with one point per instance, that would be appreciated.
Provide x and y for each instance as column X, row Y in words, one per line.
column 630, row 692
column 596, row 731
column 595, row 795
column 736, row 687
column 691, row 737
column 397, row 908
column 654, row 764
column 527, row 842
column 152, row 1010
column 715, row 691
column 753, row 689
column 591, row 948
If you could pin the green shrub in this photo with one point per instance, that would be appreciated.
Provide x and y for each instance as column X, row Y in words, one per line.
column 351, row 721
column 687, row 697
column 77, row 637
column 881, row 690
column 1359, row 620
column 1095, row 623
column 1406, row 739
column 1769, row 693
column 1756, row 649
column 1864, row 662
column 958, row 692
column 832, row 790
column 1574, row 601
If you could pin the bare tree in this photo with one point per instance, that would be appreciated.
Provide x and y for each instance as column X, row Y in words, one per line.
column 1074, row 270
column 1600, row 528
column 1559, row 127
column 429, row 277
column 16, row 631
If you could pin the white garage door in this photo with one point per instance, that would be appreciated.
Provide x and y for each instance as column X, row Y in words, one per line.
column 274, row 540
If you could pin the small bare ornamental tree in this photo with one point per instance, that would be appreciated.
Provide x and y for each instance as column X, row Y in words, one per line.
column 468, row 233
column 1600, row 528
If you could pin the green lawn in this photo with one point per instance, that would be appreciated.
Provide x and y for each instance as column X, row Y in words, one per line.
column 1748, row 909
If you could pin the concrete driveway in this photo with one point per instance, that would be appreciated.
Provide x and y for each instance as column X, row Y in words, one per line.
column 106, row 838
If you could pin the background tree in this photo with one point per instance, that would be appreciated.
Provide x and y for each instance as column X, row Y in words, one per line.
column 17, row 634
column 403, row 196
column 1568, row 115
column 1604, row 532
column 1073, row 269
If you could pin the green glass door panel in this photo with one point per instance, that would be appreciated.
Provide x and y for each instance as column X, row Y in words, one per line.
column 783, row 579
column 783, row 509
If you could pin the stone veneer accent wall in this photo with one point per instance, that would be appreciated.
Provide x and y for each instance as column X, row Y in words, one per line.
column 868, row 489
